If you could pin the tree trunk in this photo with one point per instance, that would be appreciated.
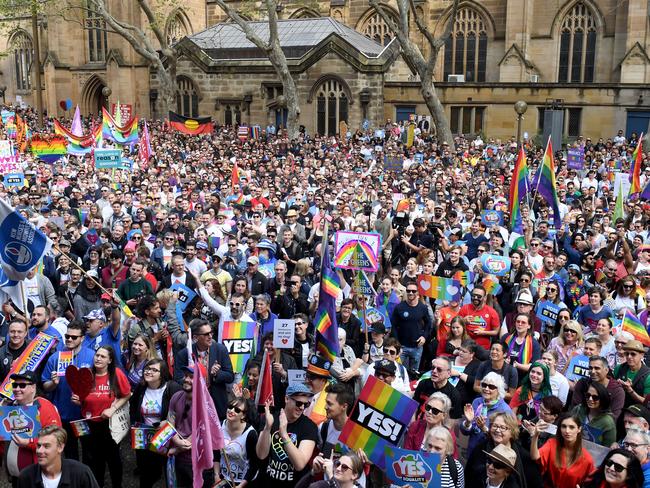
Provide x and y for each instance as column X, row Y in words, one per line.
column 167, row 79
column 289, row 89
column 430, row 95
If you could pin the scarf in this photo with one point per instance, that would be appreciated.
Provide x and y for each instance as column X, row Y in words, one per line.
column 526, row 350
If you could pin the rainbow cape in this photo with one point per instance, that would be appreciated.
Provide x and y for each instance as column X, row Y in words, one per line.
column 544, row 182
column 80, row 145
column 126, row 134
column 518, row 191
column 49, row 148
column 634, row 326
column 635, row 170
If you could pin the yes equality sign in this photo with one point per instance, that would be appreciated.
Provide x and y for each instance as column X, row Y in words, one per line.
column 378, row 420
column 417, row 469
column 22, row 421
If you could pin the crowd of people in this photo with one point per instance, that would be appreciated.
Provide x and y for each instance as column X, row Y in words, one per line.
column 241, row 222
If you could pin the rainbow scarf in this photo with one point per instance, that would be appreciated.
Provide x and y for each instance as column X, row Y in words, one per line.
column 518, row 190
column 525, row 352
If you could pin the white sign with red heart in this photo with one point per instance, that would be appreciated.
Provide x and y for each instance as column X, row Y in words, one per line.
column 284, row 333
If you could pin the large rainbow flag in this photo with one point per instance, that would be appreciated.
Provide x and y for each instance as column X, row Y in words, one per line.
column 544, row 182
column 378, row 420
column 80, row 145
column 518, row 191
column 240, row 338
column 635, row 170
column 439, row 287
column 327, row 331
column 633, row 325
column 126, row 134
column 49, row 148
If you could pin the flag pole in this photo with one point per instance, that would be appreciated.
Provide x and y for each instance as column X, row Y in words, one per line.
column 85, row 273
column 23, row 298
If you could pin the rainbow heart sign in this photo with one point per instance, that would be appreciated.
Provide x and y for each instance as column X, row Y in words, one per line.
column 495, row 264
column 357, row 250
column 439, row 288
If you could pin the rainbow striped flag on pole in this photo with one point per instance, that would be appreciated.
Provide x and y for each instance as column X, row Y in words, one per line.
column 439, row 287
column 518, row 191
column 544, row 182
column 327, row 331
column 378, row 420
column 633, row 325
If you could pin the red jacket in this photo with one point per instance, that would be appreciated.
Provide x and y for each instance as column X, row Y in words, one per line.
column 415, row 436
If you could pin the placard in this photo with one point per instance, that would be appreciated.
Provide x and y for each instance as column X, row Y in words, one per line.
column 453, row 380
column 126, row 112
column 575, row 158
column 37, row 350
column 393, row 163
column 240, row 339
column 107, row 158
column 284, row 333
column 547, row 312
column 65, row 359
column 578, row 368
column 417, row 469
column 14, row 179
column 374, row 315
column 439, row 288
column 495, row 264
column 378, row 420
column 296, row 376
column 357, row 250
column 120, row 423
column 362, row 285
column 492, row 217
column 22, row 421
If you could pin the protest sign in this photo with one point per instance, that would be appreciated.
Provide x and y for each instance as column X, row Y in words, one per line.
column 29, row 360
column 9, row 165
column 378, row 420
column 492, row 217
column 374, row 315
column 393, row 163
column 284, row 333
column 438, row 287
column 119, row 423
column 296, row 376
column 240, row 339
column 185, row 296
column 495, row 264
column 6, row 150
column 362, row 285
column 357, row 250
column 65, row 360
column 14, row 179
column 575, row 158
column 417, row 469
column 108, row 158
column 578, row 368
column 547, row 312
column 141, row 437
column 19, row 420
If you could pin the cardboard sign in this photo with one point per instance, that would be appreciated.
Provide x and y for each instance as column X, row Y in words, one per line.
column 108, row 158
column 240, row 339
column 492, row 217
column 417, row 469
column 378, row 420
column 547, row 312
column 578, row 368
column 362, row 285
column 14, row 179
column 65, row 359
column 439, row 288
column 37, row 350
column 495, row 264
column 575, row 158
column 296, row 376
column 22, row 421
column 357, row 250
column 393, row 163
column 284, row 333
column 120, row 423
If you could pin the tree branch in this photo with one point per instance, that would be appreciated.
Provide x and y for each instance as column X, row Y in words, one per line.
column 420, row 25
column 450, row 25
column 153, row 23
column 243, row 25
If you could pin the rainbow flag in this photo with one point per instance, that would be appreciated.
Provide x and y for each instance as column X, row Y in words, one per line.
column 240, row 338
column 83, row 215
column 491, row 285
column 403, row 205
column 327, row 331
column 80, row 427
column 439, row 288
column 123, row 306
column 318, row 414
column 255, row 131
column 141, row 437
column 633, row 325
column 49, row 148
column 236, row 175
column 162, row 436
column 126, row 134
column 518, row 191
column 80, row 145
column 378, row 420
column 356, row 254
column 544, row 182
column 464, row 277
column 239, row 199
column 635, row 170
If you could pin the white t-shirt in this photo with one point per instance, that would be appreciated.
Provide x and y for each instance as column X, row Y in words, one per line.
column 51, row 482
column 151, row 407
column 31, row 290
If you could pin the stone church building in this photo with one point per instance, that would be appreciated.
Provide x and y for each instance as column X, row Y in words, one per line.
column 587, row 58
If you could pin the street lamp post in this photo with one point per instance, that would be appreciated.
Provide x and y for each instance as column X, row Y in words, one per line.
column 520, row 108
column 106, row 91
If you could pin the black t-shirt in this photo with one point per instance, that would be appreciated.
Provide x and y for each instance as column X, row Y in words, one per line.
column 426, row 387
column 277, row 466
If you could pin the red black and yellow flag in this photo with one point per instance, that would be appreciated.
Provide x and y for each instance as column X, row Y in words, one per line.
column 192, row 126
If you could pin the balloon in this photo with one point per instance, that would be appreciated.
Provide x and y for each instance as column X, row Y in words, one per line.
column 68, row 104
column 63, row 104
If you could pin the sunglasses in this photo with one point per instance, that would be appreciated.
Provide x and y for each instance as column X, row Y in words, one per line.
column 341, row 466
column 235, row 408
column 619, row 468
column 489, row 386
column 411, row 291
column 594, row 398
column 300, row 404
column 391, row 352
column 206, row 334
column 432, row 410
column 21, row 386
column 570, row 331
column 69, row 337
column 497, row 464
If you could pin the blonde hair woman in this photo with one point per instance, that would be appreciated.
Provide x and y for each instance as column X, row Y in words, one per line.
column 568, row 344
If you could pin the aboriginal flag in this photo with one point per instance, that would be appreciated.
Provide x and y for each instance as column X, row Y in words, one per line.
column 191, row 126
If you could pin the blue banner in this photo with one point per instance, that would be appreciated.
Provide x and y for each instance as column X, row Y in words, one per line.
column 14, row 179
column 185, row 296
column 417, row 469
column 22, row 421
column 22, row 245
column 108, row 158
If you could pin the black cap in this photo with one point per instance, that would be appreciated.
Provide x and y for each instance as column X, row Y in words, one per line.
column 378, row 327
column 25, row 375
column 639, row 411
column 385, row 366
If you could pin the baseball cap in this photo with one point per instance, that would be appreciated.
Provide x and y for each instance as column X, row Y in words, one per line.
column 385, row 366
column 378, row 327
column 253, row 260
column 25, row 375
column 97, row 314
column 299, row 389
